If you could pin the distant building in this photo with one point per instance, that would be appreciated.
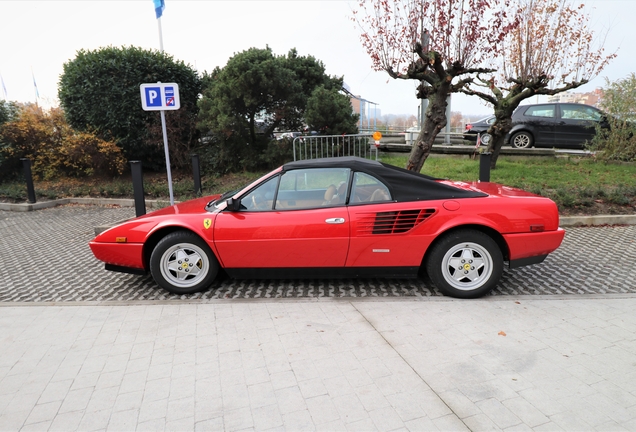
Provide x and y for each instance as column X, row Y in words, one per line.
column 368, row 110
column 590, row 98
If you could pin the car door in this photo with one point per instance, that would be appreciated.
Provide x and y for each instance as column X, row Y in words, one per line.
column 541, row 121
column 576, row 125
column 380, row 227
column 294, row 220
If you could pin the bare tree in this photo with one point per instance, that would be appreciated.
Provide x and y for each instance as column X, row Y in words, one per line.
column 456, row 119
column 552, row 50
column 439, row 43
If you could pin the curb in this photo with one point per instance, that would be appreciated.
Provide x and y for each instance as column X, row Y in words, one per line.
column 574, row 221
column 394, row 299
column 122, row 202
column 564, row 221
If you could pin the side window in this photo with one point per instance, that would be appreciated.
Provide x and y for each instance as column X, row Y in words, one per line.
column 593, row 114
column 261, row 198
column 540, row 111
column 367, row 188
column 576, row 112
column 312, row 188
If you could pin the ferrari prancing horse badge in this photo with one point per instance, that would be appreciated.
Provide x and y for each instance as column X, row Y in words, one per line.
column 207, row 223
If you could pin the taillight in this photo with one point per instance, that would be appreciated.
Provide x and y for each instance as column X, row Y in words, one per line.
column 469, row 127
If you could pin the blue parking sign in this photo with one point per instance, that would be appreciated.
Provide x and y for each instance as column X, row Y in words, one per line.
column 153, row 96
column 160, row 96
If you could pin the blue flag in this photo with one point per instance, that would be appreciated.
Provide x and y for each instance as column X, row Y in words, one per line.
column 160, row 5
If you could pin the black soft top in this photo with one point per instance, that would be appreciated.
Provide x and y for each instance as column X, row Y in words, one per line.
column 403, row 184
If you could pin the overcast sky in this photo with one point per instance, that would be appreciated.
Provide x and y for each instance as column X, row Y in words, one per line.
column 38, row 37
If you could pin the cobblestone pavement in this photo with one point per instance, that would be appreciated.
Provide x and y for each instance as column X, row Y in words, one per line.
column 46, row 258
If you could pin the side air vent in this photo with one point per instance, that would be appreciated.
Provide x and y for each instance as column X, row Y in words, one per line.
column 394, row 222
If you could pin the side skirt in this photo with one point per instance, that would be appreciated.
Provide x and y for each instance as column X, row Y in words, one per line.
column 322, row 273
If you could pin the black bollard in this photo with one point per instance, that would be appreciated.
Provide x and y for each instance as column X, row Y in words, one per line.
column 484, row 167
column 196, row 174
column 28, row 176
column 138, row 187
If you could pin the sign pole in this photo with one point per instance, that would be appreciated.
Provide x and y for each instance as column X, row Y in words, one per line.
column 161, row 97
column 163, row 126
column 160, row 35
column 165, row 148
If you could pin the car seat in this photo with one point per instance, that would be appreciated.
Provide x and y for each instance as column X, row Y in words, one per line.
column 331, row 192
column 379, row 195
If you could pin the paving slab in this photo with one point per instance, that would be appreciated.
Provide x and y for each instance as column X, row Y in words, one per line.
column 502, row 363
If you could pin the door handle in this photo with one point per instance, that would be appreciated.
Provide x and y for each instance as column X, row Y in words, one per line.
column 335, row 220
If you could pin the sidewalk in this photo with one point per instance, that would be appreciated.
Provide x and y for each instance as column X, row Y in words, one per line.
column 502, row 363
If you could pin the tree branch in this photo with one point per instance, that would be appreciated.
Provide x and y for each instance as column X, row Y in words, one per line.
column 488, row 98
column 566, row 87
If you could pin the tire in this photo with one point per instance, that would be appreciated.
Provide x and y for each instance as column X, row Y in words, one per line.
column 485, row 139
column 478, row 255
column 521, row 140
column 183, row 263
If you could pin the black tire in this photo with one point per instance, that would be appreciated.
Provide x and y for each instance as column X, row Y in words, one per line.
column 485, row 139
column 478, row 255
column 183, row 263
column 522, row 140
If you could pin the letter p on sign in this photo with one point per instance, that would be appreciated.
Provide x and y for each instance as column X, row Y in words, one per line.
column 152, row 96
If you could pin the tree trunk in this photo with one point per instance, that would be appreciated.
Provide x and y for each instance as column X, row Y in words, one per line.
column 503, row 124
column 434, row 122
column 498, row 130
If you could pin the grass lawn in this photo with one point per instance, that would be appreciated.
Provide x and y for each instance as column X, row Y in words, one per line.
column 578, row 186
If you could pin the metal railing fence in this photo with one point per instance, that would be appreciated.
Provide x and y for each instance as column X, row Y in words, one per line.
column 323, row 146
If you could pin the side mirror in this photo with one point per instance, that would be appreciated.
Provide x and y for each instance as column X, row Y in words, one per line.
column 233, row 205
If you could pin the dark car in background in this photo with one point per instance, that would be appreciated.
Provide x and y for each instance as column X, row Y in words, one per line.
column 561, row 125
column 479, row 128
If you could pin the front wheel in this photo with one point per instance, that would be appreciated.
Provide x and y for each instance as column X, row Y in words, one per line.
column 183, row 263
column 465, row 264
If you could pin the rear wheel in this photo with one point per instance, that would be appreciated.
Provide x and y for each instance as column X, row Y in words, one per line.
column 465, row 264
column 183, row 263
column 521, row 140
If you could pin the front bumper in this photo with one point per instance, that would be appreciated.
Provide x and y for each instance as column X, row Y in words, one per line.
column 119, row 254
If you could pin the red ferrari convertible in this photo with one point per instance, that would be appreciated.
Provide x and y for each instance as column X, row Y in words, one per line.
column 340, row 217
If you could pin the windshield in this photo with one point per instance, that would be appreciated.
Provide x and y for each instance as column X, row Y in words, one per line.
column 227, row 195
column 488, row 120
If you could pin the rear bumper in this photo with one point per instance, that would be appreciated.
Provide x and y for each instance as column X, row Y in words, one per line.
column 468, row 136
column 526, row 261
column 523, row 248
